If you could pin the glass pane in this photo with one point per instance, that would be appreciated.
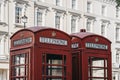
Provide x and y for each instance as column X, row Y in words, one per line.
column 54, row 59
column 53, row 79
column 97, row 68
column 16, row 73
column 17, row 60
column 54, row 70
column 22, row 70
column 96, row 79
column 22, row 59
column 19, row 71
column 97, row 72
column 98, row 62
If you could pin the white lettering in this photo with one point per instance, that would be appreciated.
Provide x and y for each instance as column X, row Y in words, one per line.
column 53, row 41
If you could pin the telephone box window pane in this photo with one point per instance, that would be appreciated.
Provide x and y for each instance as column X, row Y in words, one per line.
column 19, row 71
column 19, row 59
column 97, row 72
column 54, row 59
column 53, row 79
column 16, row 72
column 54, row 70
column 96, row 79
column 98, row 62
column 97, row 67
column 105, row 63
column 22, row 59
column 22, row 70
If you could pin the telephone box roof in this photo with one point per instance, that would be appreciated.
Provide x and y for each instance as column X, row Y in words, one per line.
column 83, row 34
column 39, row 28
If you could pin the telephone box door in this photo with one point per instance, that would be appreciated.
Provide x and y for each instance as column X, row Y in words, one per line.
column 97, row 67
column 20, row 64
column 54, row 65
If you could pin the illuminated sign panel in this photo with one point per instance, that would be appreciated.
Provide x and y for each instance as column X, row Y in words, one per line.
column 75, row 45
column 22, row 41
column 53, row 41
column 96, row 46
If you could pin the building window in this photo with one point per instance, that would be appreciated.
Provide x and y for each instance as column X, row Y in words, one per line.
column 117, row 12
column 117, row 57
column 88, row 25
column 73, row 24
column 41, row 0
column 0, row 12
column 39, row 18
column 89, row 7
column 58, row 2
column 103, row 29
column 103, row 10
column 18, row 14
column 57, row 21
column 117, row 34
column 73, row 4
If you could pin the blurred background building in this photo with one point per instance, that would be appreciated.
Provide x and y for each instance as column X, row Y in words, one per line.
column 96, row 16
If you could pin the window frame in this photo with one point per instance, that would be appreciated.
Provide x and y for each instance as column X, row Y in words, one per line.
column 74, row 4
column 51, row 65
column 18, row 67
column 18, row 13
column 104, row 67
column 89, row 7
column 39, row 18
column 73, row 24
column 117, row 31
column 103, row 10
column 57, row 20
column 88, row 27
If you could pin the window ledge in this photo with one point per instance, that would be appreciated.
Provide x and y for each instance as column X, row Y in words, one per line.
column 3, row 23
column 117, row 41
column 21, row 1
column 19, row 25
column 4, row 58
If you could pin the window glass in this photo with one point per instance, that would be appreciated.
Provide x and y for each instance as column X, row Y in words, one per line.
column 89, row 7
column 73, row 24
column 97, row 68
column 39, row 18
column 103, row 11
column 73, row 4
column 20, row 66
column 58, row 2
column 57, row 21
column 18, row 14
column 117, row 34
column 88, row 25
column 53, row 65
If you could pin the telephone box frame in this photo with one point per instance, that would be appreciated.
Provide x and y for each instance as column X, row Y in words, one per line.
column 34, row 52
column 88, row 48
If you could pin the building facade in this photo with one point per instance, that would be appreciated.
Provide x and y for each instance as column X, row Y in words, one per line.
column 96, row 16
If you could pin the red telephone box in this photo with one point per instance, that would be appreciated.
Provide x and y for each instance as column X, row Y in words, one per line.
column 40, row 53
column 91, row 57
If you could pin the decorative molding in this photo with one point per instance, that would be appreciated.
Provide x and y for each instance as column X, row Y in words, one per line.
column 19, row 25
column 3, row 24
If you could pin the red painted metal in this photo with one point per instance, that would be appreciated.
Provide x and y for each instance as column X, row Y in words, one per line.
column 38, row 62
column 87, row 55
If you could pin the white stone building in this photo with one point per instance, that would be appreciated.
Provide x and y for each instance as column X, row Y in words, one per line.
column 97, row 16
